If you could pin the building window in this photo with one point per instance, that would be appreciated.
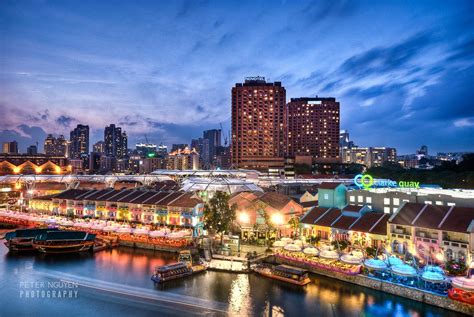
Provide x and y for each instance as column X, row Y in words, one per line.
column 451, row 204
column 360, row 199
column 395, row 209
column 439, row 203
column 428, row 202
column 386, row 201
column 368, row 200
column 396, row 201
column 386, row 210
column 326, row 196
column 352, row 198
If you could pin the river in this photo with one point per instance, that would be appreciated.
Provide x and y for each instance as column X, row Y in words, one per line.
column 117, row 283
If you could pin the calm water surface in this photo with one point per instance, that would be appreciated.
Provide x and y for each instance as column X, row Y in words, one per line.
column 117, row 283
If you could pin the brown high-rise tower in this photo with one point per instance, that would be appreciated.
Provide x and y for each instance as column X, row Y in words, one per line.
column 258, row 124
column 313, row 129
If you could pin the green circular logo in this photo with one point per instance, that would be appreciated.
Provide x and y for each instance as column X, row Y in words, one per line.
column 367, row 181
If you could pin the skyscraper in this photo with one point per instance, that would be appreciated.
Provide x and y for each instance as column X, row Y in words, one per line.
column 79, row 144
column 32, row 150
column 99, row 147
column 213, row 138
column 313, row 129
column 258, row 124
column 10, row 147
column 115, row 142
column 55, row 146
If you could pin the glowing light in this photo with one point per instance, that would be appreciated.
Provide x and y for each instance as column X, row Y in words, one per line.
column 244, row 217
column 17, row 185
column 277, row 219
column 16, row 170
column 38, row 170
column 57, row 169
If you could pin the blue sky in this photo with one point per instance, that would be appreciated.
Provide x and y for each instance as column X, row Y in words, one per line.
column 402, row 70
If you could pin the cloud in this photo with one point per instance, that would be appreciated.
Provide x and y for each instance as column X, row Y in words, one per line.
column 65, row 120
column 465, row 122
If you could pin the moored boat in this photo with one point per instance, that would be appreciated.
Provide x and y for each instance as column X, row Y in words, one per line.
column 285, row 273
column 64, row 241
column 185, row 267
column 463, row 287
column 22, row 239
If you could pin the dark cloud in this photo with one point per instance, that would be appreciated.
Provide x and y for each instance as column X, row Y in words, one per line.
column 65, row 120
column 30, row 135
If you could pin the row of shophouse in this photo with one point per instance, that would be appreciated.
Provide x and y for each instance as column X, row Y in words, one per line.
column 430, row 231
column 171, row 208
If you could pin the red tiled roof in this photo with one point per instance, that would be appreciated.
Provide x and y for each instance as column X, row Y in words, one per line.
column 313, row 214
column 381, row 227
column 367, row 222
column 275, row 200
column 187, row 200
column 407, row 214
column 328, row 218
column 458, row 220
column 353, row 208
column 343, row 222
column 307, row 204
column 430, row 216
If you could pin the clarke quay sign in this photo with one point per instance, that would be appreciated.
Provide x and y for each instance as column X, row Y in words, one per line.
column 366, row 181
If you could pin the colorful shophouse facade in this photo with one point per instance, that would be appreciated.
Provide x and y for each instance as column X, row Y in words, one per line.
column 433, row 233
column 143, row 206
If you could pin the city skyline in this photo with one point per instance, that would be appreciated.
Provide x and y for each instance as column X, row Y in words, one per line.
column 65, row 63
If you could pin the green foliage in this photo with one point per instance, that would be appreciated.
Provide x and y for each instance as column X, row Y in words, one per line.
column 448, row 175
column 218, row 215
column 302, row 169
column 343, row 244
column 372, row 252
column 294, row 223
column 455, row 268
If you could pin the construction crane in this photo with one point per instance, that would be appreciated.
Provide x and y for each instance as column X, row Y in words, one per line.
column 225, row 136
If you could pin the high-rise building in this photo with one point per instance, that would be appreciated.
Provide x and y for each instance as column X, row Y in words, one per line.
column 55, row 146
column 197, row 144
column 213, row 138
column 94, row 161
column 32, row 150
column 162, row 150
column 187, row 159
column 99, row 147
column 79, row 143
column 115, row 142
column 10, row 147
column 258, row 124
column 179, row 146
column 313, row 128
column 146, row 149
column 369, row 156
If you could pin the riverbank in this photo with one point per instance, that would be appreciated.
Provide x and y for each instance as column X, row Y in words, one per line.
column 384, row 286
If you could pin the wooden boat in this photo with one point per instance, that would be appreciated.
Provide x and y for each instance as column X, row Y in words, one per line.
column 285, row 273
column 22, row 239
column 185, row 267
column 64, row 241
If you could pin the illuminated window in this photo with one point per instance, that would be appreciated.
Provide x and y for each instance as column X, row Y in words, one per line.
column 386, row 201
column 396, row 201
column 386, row 210
column 368, row 200
column 352, row 198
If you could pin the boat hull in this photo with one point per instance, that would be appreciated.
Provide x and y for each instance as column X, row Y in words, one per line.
column 21, row 245
column 283, row 279
column 194, row 270
column 64, row 248
column 461, row 296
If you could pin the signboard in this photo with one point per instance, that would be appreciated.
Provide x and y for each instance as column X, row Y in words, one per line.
column 366, row 181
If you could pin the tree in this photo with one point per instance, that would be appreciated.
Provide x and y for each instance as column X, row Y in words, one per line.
column 218, row 214
column 294, row 223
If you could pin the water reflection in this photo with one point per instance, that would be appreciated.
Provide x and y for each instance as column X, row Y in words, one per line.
column 243, row 295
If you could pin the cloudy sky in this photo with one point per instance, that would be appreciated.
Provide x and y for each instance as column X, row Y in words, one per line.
column 402, row 70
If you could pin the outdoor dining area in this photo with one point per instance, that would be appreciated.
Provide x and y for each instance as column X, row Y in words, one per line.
column 162, row 236
column 323, row 257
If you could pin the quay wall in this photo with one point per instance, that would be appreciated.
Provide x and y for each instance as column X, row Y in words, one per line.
column 149, row 246
column 384, row 286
